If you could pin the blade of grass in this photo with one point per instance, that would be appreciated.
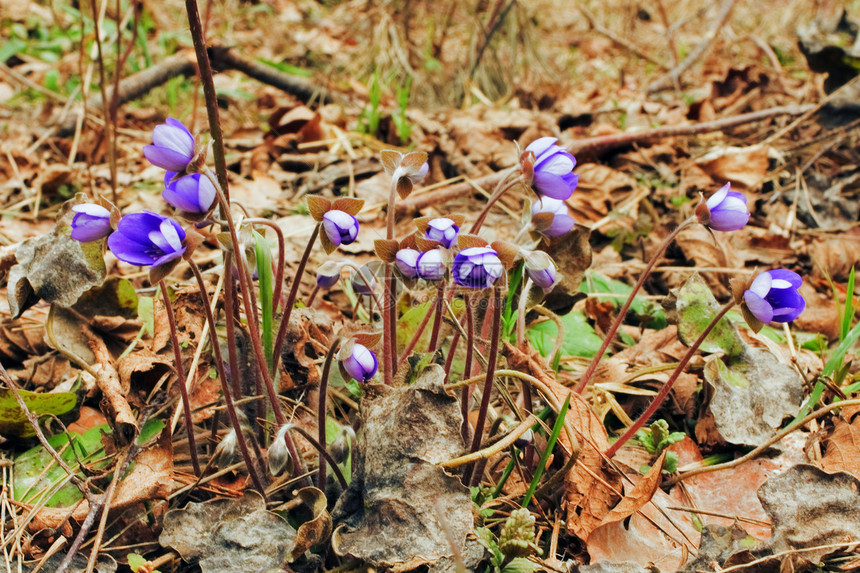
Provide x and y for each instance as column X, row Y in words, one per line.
column 834, row 363
column 848, row 314
column 264, row 275
column 556, row 430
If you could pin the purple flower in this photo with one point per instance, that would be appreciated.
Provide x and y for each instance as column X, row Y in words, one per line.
column 91, row 222
column 442, row 230
column 172, row 146
column 477, row 267
column 541, row 269
column 340, row 227
column 726, row 210
column 561, row 221
column 773, row 296
column 553, row 168
column 146, row 239
column 431, row 265
column 406, row 261
column 191, row 193
column 360, row 363
column 328, row 274
column 363, row 282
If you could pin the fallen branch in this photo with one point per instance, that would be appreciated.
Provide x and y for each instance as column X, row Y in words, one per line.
column 596, row 145
column 673, row 77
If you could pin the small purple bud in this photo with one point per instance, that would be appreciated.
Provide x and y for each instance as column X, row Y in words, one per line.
column 562, row 222
column 443, row 230
column 363, row 282
column 191, row 193
column 727, row 210
column 340, row 227
column 477, row 267
column 328, row 274
column 525, row 439
column 172, row 146
column 406, row 261
column 773, row 296
column 91, row 222
column 553, row 168
column 147, row 239
column 541, row 269
column 360, row 363
column 431, row 265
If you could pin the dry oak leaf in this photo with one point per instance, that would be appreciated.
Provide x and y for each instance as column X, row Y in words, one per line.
column 743, row 166
column 591, row 486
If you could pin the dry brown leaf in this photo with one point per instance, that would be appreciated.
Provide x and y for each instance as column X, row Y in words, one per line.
column 641, row 493
column 190, row 318
column 599, row 191
column 837, row 256
column 705, row 250
column 821, row 315
column 743, row 167
column 843, row 446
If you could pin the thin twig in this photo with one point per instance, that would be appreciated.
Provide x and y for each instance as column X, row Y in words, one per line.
column 673, row 78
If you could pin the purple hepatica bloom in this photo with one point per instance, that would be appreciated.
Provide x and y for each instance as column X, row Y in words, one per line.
column 91, row 222
column 431, row 265
column 561, row 223
column 147, row 239
column 553, row 168
column 773, row 296
column 442, row 230
column 541, row 269
column 727, row 210
column 477, row 267
column 341, row 227
column 360, row 363
column 406, row 261
column 191, row 193
column 172, row 146
column 328, row 274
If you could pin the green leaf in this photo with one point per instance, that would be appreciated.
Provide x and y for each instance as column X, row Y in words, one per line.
column 550, row 444
column 287, row 68
column 848, row 314
column 409, row 322
column 579, row 336
column 521, row 565
column 696, row 307
column 651, row 314
column 150, row 430
column 146, row 313
column 135, row 562
column 36, row 475
column 264, row 273
column 13, row 420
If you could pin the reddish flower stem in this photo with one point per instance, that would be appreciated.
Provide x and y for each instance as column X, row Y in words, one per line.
column 504, row 184
column 610, row 335
column 496, row 309
column 321, row 414
column 225, row 386
column 466, row 397
column 664, row 391
column 180, row 373
column 437, row 319
column 420, row 330
column 294, row 291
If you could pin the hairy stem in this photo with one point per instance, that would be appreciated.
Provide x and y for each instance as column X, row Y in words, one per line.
column 180, row 373
column 664, row 391
column 198, row 36
column 389, row 320
column 610, row 335
column 504, row 184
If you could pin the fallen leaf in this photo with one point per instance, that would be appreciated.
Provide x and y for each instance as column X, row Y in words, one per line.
column 388, row 515
column 13, row 420
column 810, row 508
column 744, row 167
column 842, row 453
column 229, row 535
column 641, row 493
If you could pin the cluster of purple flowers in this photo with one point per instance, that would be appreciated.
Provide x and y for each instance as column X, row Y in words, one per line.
column 146, row 238
column 549, row 169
